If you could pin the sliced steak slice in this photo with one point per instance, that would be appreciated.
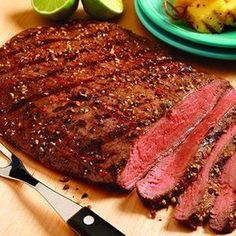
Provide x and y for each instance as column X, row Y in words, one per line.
column 197, row 201
column 223, row 216
column 172, row 174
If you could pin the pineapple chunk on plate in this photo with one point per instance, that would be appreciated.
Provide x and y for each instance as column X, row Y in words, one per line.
column 207, row 16
column 230, row 13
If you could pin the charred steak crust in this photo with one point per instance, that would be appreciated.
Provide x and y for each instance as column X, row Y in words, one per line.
column 77, row 96
column 222, row 216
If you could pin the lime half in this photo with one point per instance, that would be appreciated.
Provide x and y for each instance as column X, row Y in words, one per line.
column 103, row 9
column 55, row 9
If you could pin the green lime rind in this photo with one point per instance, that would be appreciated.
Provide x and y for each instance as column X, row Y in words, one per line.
column 103, row 9
column 54, row 9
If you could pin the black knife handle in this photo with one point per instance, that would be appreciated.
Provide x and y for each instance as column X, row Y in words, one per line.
column 87, row 223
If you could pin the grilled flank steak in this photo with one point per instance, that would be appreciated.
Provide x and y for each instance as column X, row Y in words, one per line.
column 98, row 102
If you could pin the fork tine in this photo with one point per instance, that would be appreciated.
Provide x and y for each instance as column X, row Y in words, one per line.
column 5, row 171
column 5, row 151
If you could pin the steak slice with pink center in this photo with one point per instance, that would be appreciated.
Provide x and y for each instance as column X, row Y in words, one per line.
column 172, row 174
column 223, row 214
column 195, row 204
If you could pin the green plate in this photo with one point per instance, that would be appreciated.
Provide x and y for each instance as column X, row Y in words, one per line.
column 153, row 9
column 185, row 45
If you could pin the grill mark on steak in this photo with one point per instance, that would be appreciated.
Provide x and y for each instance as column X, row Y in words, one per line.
column 44, row 36
column 99, row 29
column 71, row 64
column 197, row 201
column 74, row 66
column 57, row 50
column 223, row 218
column 184, row 163
column 68, row 48
column 21, row 88
column 114, row 36
column 13, row 94
column 123, row 41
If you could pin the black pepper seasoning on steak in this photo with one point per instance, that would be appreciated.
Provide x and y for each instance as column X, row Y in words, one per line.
column 223, row 217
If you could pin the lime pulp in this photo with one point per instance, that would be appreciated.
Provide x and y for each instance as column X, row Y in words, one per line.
column 55, row 9
column 103, row 9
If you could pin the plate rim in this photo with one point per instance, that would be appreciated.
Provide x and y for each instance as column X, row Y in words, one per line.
column 179, row 45
column 181, row 32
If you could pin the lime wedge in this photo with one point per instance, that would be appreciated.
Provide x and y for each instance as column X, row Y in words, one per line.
column 55, row 9
column 103, row 9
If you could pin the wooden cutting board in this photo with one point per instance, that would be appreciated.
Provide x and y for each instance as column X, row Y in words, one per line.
column 24, row 213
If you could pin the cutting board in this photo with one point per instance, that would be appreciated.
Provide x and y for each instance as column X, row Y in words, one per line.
column 25, row 213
